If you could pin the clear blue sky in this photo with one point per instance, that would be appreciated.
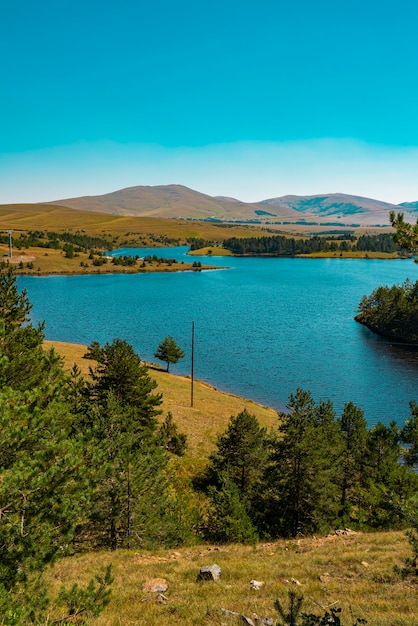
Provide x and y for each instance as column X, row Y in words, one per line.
column 247, row 99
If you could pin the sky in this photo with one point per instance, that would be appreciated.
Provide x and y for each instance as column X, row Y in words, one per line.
column 247, row 99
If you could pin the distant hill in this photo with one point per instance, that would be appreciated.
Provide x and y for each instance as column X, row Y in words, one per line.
column 409, row 205
column 172, row 201
column 340, row 206
column 177, row 201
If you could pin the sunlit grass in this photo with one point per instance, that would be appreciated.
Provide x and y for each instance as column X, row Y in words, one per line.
column 354, row 572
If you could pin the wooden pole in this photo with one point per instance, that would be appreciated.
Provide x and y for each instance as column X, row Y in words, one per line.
column 192, row 376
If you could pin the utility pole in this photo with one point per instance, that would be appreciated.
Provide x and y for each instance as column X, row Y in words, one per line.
column 192, row 376
column 10, row 233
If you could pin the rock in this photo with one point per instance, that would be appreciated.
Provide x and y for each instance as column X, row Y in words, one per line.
column 325, row 578
column 161, row 599
column 155, row 585
column 295, row 582
column 209, row 572
column 364, row 564
column 263, row 621
column 228, row 613
column 256, row 584
column 247, row 620
column 344, row 531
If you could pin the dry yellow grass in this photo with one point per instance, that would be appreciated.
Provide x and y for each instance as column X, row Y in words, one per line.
column 203, row 422
column 354, row 572
column 25, row 217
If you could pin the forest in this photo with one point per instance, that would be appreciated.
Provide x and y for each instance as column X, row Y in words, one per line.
column 86, row 464
column 393, row 311
column 279, row 245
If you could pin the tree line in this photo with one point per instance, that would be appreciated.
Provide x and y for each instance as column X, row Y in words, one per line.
column 393, row 311
column 316, row 472
column 279, row 245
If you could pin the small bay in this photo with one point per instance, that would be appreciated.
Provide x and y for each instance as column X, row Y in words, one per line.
column 263, row 326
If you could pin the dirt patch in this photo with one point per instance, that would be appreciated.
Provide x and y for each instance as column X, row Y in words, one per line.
column 23, row 258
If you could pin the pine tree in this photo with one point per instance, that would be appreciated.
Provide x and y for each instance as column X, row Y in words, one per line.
column 169, row 352
column 228, row 520
column 301, row 498
column 353, row 429
column 241, row 454
column 121, row 372
column 24, row 364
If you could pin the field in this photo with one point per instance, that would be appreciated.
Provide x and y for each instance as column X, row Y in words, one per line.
column 126, row 230
column 353, row 571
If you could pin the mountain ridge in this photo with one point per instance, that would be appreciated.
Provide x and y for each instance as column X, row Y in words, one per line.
column 181, row 202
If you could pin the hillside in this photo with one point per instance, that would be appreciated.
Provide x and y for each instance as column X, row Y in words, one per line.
column 177, row 201
column 350, row 570
column 341, row 207
column 203, row 422
column 172, row 201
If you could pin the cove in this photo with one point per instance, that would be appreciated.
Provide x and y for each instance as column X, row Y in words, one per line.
column 263, row 326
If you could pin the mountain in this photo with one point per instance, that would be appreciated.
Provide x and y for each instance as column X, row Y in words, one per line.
column 177, row 201
column 340, row 206
column 409, row 205
column 173, row 201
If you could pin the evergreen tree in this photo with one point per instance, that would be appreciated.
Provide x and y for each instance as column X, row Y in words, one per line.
column 228, row 520
column 169, row 352
column 133, row 502
column 24, row 364
column 170, row 438
column 121, row 372
column 126, row 473
column 301, row 486
column 242, row 454
column 406, row 234
column 409, row 435
column 353, row 429
column 389, row 483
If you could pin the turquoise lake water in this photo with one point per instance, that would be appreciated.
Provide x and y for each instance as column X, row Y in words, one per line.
column 263, row 327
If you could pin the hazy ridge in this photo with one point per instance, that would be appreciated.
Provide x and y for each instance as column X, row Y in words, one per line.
column 177, row 201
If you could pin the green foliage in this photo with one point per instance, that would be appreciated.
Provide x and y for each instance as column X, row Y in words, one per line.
column 169, row 352
column 406, row 234
column 290, row 616
column 242, row 454
column 409, row 435
column 133, row 501
column 121, row 371
column 302, row 479
column 392, row 312
column 169, row 437
column 279, row 245
column 24, row 365
column 228, row 520
column 82, row 603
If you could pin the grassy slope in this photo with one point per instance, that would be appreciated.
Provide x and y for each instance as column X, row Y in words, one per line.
column 202, row 423
column 356, row 570
column 23, row 217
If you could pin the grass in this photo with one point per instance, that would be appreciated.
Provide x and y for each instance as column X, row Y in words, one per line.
column 203, row 422
column 127, row 230
column 49, row 261
column 352, row 571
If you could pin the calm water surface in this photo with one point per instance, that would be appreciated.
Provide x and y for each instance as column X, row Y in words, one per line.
column 263, row 327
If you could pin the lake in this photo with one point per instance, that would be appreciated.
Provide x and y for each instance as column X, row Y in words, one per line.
column 263, row 327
